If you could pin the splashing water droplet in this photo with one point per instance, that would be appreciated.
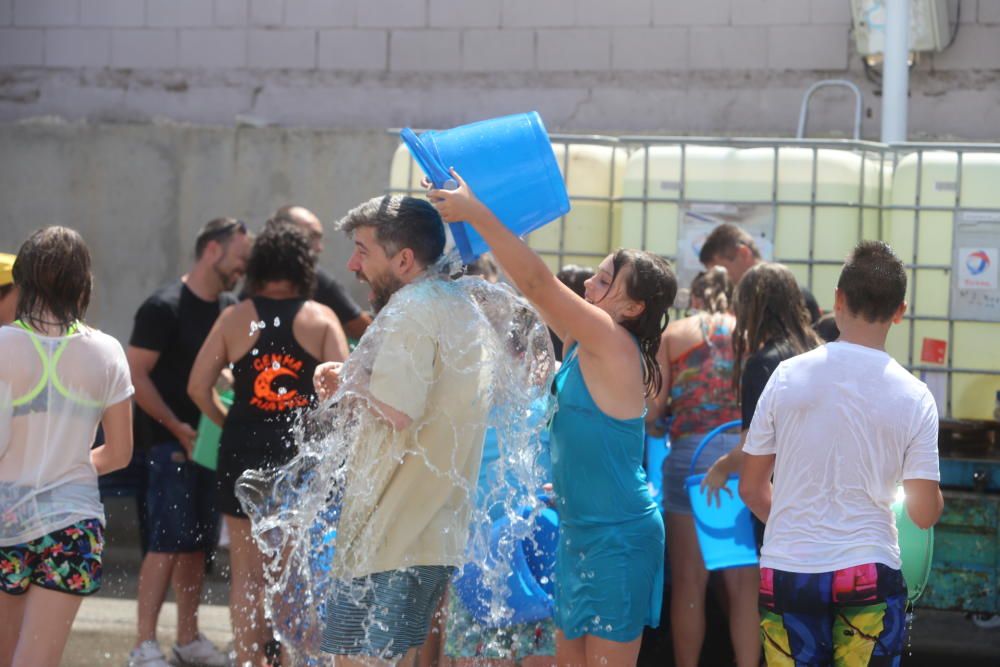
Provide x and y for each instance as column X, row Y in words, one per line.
column 282, row 391
column 275, row 365
column 255, row 352
column 277, row 321
column 294, row 508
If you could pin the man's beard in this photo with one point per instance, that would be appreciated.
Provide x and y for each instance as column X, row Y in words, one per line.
column 382, row 289
column 227, row 280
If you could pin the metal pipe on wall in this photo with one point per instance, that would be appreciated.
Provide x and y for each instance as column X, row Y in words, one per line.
column 896, row 71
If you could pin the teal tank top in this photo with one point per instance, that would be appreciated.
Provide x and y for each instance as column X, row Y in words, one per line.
column 597, row 471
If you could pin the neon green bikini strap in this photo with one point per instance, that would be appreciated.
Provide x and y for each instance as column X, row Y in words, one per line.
column 49, row 367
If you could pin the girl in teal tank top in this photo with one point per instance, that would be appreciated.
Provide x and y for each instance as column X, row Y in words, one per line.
column 609, row 564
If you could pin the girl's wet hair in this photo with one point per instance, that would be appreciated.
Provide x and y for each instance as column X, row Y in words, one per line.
column 769, row 308
column 282, row 252
column 651, row 282
column 714, row 289
column 52, row 272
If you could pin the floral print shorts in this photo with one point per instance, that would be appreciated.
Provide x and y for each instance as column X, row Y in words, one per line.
column 66, row 560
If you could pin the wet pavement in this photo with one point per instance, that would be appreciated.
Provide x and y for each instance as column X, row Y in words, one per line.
column 104, row 630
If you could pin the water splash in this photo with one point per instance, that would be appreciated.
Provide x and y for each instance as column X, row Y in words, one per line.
column 478, row 329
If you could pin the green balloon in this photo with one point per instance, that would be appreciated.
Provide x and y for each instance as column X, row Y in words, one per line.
column 916, row 549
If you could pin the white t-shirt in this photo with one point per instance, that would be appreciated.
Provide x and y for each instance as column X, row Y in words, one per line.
column 48, row 421
column 847, row 424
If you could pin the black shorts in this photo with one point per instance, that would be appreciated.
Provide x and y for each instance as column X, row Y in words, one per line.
column 248, row 447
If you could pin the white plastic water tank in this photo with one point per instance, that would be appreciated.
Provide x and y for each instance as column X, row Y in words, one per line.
column 593, row 174
column 847, row 190
column 932, row 178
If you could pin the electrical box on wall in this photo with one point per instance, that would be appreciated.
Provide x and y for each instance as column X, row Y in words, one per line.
column 930, row 28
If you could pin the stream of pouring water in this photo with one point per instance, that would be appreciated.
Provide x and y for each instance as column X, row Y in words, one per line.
column 295, row 510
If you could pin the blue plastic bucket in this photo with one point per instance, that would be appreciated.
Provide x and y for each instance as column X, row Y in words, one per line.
column 508, row 162
column 725, row 532
column 530, row 585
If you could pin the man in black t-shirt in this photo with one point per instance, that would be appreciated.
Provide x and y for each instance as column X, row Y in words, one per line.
column 328, row 292
column 170, row 327
column 732, row 248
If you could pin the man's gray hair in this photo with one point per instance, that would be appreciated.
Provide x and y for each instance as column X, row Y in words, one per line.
column 400, row 222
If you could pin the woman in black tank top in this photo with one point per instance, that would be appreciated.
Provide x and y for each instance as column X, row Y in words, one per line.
column 272, row 383
column 272, row 342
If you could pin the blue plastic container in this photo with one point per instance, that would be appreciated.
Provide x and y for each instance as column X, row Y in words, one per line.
column 657, row 450
column 508, row 162
column 725, row 533
column 530, row 585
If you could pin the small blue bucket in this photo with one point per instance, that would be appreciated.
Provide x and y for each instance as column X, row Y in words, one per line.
column 508, row 162
column 530, row 584
column 725, row 533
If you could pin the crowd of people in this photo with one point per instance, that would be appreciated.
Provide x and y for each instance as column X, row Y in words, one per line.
column 836, row 426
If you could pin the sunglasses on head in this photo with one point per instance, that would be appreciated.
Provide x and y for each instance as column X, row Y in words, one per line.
column 225, row 231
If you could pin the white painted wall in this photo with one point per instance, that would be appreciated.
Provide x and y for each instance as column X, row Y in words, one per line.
column 676, row 66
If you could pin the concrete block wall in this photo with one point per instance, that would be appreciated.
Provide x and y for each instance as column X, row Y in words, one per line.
column 743, row 64
column 139, row 193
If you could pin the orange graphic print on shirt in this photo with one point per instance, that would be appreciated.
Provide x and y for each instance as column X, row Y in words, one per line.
column 269, row 394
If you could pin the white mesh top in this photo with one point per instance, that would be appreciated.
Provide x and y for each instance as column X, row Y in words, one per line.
column 53, row 393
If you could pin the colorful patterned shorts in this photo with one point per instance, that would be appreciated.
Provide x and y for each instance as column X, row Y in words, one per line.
column 66, row 560
column 464, row 638
column 849, row 618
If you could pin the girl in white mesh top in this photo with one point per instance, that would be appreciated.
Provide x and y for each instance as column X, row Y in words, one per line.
column 58, row 381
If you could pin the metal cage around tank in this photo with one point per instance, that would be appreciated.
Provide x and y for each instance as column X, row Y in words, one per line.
column 863, row 210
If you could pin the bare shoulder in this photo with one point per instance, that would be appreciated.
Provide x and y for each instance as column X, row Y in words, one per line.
column 243, row 311
column 315, row 314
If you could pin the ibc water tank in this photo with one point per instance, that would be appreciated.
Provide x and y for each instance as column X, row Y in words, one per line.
column 593, row 176
column 775, row 201
column 942, row 326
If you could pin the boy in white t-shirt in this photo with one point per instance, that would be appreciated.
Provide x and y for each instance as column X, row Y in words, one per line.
column 840, row 427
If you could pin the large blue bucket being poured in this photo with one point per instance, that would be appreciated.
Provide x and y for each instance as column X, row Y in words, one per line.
column 509, row 164
column 725, row 530
column 530, row 584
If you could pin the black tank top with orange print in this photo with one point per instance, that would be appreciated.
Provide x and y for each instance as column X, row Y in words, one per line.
column 274, row 380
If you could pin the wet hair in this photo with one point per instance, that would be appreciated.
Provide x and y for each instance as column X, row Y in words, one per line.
column 714, row 289
column 52, row 272
column 219, row 229
column 826, row 328
column 282, row 252
column 485, row 267
column 400, row 222
column 651, row 282
column 769, row 308
column 873, row 281
column 724, row 241
column 573, row 277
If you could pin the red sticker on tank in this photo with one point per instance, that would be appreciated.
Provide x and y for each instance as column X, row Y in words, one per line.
column 933, row 351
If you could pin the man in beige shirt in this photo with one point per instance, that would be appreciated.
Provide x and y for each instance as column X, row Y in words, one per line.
column 409, row 492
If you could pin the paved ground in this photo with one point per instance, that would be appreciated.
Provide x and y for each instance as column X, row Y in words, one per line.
column 104, row 630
